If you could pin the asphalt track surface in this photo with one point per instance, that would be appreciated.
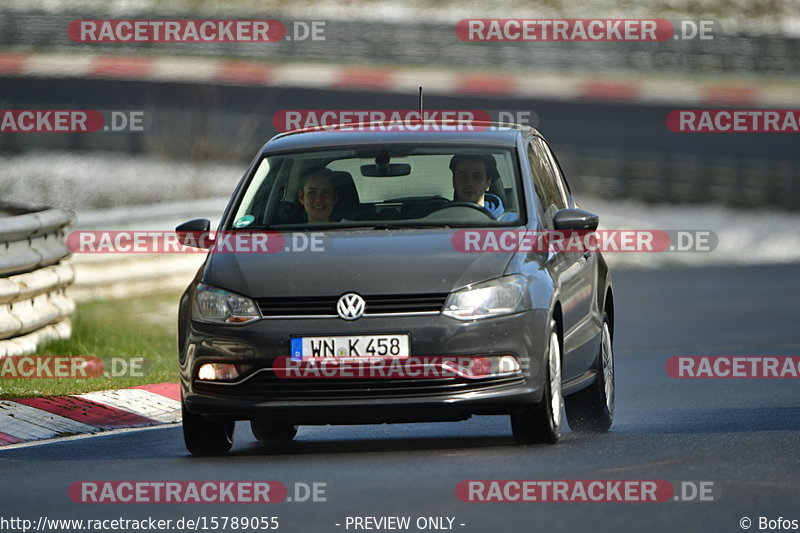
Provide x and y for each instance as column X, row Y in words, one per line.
column 742, row 434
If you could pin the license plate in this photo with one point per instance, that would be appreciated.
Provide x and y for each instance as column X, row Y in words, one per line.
column 355, row 346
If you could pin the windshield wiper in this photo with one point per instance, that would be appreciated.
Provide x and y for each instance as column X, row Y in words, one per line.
column 342, row 226
column 410, row 226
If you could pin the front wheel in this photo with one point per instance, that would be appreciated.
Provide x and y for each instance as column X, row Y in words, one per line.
column 591, row 410
column 206, row 438
column 541, row 423
column 272, row 433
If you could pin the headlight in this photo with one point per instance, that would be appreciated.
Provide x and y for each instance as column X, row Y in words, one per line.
column 501, row 296
column 218, row 305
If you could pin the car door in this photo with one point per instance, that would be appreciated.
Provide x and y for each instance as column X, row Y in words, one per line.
column 573, row 268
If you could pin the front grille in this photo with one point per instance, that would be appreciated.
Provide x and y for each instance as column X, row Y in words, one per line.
column 376, row 304
column 267, row 386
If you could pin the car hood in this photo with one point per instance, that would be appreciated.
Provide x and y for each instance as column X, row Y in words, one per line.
column 363, row 261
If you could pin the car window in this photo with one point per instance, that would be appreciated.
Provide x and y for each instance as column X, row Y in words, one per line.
column 544, row 181
column 374, row 186
column 555, row 169
column 429, row 176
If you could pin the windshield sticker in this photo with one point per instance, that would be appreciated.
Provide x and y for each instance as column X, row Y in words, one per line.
column 244, row 221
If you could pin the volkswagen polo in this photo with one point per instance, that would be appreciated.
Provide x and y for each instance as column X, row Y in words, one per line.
column 392, row 287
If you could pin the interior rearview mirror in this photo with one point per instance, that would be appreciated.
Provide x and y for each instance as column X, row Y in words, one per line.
column 388, row 170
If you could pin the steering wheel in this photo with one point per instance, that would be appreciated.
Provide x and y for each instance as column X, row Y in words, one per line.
column 464, row 204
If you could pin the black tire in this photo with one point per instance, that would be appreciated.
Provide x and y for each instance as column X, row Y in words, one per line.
column 541, row 423
column 206, row 438
column 591, row 410
column 272, row 433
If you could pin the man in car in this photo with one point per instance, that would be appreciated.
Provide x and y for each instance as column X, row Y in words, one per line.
column 317, row 195
column 472, row 177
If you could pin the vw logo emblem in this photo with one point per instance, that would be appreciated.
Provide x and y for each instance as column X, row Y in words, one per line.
column 350, row 306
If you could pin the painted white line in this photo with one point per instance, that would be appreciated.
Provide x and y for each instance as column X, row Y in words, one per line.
column 432, row 81
column 668, row 92
column 305, row 75
column 139, row 401
column 406, row 79
column 183, row 69
column 29, row 423
column 558, row 88
column 59, row 64
column 101, row 433
column 779, row 95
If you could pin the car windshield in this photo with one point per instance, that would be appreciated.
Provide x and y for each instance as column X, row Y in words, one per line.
column 380, row 186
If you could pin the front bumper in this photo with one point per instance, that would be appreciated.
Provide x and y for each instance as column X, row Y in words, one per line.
column 265, row 396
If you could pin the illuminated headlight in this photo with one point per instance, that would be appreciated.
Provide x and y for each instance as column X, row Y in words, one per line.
column 218, row 305
column 217, row 372
column 501, row 296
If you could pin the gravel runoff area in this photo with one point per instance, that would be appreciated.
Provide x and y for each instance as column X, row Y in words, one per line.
column 109, row 191
column 102, row 180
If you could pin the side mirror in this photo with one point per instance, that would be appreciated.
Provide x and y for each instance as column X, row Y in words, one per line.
column 195, row 233
column 575, row 220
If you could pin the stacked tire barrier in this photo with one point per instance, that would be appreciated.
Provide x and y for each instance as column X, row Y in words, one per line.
column 34, row 306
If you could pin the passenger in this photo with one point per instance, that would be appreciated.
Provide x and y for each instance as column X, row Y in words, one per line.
column 317, row 195
column 472, row 177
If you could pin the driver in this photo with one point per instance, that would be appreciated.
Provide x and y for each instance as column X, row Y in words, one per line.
column 472, row 177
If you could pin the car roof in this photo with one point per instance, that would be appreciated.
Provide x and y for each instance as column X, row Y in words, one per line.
column 376, row 133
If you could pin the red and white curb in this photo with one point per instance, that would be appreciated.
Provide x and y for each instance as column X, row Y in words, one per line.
column 536, row 84
column 32, row 419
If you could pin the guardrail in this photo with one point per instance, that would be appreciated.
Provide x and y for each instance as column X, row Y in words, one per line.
column 34, row 305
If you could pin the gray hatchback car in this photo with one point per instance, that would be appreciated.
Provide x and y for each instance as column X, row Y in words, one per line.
column 396, row 281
